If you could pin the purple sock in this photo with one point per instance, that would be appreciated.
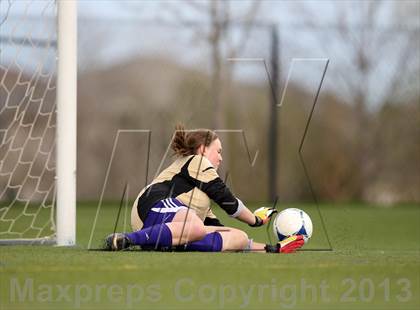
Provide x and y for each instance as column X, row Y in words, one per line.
column 157, row 235
column 212, row 242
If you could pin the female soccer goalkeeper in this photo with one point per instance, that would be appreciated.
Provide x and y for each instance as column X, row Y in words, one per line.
column 174, row 210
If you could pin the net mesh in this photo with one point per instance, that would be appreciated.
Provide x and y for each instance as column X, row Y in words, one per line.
column 27, row 119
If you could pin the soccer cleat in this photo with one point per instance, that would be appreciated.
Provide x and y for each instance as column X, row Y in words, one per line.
column 291, row 244
column 288, row 245
column 117, row 242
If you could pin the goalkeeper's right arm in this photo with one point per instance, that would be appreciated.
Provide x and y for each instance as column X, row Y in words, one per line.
column 248, row 217
column 260, row 216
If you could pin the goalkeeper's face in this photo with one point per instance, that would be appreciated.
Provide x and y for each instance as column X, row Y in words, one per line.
column 213, row 152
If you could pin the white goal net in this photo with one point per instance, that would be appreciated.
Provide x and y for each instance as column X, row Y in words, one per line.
column 28, row 55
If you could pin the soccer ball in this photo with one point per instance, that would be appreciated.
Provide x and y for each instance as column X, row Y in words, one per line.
column 291, row 222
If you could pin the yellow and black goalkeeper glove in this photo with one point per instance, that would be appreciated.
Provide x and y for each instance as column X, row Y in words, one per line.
column 262, row 216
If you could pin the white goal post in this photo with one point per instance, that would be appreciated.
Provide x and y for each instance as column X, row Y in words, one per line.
column 38, row 110
column 66, row 122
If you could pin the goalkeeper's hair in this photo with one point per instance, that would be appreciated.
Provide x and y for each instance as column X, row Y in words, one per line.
column 187, row 142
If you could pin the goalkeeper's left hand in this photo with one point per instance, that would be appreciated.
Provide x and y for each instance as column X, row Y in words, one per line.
column 263, row 215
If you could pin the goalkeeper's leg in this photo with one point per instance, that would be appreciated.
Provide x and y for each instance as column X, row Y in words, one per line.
column 237, row 240
column 173, row 233
column 233, row 239
column 217, row 239
column 163, row 228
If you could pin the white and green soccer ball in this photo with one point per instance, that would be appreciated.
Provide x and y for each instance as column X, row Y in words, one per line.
column 292, row 221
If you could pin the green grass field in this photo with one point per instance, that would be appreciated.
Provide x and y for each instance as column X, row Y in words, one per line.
column 375, row 264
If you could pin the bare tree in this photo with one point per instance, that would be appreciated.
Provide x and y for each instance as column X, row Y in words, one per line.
column 214, row 26
column 369, row 44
